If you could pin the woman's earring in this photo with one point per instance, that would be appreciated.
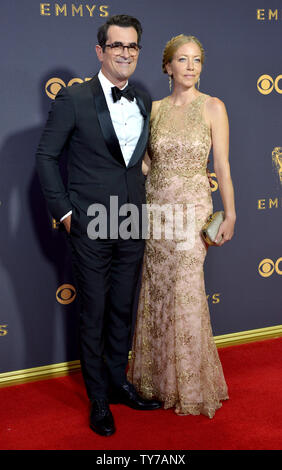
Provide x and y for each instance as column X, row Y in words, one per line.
column 198, row 83
column 170, row 83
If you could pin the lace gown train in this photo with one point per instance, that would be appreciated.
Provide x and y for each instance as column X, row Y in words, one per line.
column 174, row 357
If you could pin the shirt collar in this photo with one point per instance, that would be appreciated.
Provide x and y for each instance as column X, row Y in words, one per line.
column 106, row 84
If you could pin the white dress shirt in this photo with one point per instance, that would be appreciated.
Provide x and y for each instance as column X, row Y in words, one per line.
column 126, row 118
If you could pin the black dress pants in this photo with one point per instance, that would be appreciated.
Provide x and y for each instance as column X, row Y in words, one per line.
column 106, row 274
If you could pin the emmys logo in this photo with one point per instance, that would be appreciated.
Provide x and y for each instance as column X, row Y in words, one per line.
column 268, row 14
column 54, row 85
column 214, row 186
column 266, row 84
column 66, row 294
column 277, row 161
column 55, row 224
column 267, row 267
column 48, row 9
column 269, row 203
column 215, row 298
column 3, row 330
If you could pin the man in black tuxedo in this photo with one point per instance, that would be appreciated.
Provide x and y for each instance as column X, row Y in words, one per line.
column 104, row 124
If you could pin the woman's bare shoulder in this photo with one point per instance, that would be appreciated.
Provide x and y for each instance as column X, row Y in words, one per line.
column 214, row 105
column 155, row 107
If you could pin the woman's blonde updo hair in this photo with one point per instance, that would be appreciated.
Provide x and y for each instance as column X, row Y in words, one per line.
column 173, row 45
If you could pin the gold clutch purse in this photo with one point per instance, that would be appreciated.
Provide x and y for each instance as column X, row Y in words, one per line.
column 210, row 229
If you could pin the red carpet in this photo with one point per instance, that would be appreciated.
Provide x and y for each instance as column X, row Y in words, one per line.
column 53, row 414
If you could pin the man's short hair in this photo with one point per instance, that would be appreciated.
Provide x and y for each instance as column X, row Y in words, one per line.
column 124, row 21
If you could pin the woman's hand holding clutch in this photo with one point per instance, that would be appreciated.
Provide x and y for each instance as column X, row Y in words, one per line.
column 225, row 231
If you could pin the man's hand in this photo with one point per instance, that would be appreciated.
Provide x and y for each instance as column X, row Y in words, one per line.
column 67, row 223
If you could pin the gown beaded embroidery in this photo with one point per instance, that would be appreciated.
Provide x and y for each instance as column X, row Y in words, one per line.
column 174, row 357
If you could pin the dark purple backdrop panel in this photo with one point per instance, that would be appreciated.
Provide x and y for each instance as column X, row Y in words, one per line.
column 44, row 42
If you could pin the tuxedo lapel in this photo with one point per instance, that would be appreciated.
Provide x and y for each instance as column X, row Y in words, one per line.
column 108, row 130
column 141, row 105
column 142, row 142
column 105, row 121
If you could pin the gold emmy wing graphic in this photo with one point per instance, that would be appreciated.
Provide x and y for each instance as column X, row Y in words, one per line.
column 277, row 161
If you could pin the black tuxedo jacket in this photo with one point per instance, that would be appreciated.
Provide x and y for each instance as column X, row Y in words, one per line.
column 79, row 119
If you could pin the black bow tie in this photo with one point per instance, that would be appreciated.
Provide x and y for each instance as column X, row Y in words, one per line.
column 127, row 93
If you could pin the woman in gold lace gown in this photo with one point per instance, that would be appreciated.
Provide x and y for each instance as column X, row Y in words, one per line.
column 174, row 357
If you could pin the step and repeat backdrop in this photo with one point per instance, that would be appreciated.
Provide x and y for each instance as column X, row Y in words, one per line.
column 49, row 45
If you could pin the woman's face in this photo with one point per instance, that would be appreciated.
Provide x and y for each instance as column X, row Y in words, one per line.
column 186, row 65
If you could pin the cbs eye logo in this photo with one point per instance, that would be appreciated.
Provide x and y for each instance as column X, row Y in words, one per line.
column 66, row 294
column 54, row 85
column 267, row 267
column 266, row 84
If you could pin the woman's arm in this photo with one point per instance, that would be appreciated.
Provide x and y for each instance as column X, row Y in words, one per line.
column 220, row 140
column 146, row 163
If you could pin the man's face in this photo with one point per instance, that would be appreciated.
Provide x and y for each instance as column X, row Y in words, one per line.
column 118, row 68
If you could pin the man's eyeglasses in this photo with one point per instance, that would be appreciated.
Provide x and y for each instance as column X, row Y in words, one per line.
column 117, row 48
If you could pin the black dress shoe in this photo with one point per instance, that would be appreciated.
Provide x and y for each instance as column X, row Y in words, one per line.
column 101, row 418
column 127, row 395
